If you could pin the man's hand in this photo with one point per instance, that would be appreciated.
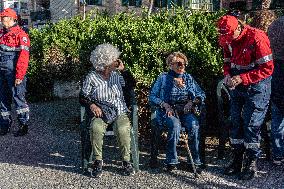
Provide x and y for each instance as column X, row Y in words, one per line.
column 187, row 108
column 18, row 82
column 96, row 110
column 168, row 108
column 236, row 80
column 228, row 81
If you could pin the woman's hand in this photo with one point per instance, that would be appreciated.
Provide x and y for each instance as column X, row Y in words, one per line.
column 96, row 110
column 168, row 108
column 120, row 65
column 187, row 108
column 228, row 81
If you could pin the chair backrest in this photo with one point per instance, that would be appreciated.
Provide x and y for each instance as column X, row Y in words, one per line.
column 222, row 92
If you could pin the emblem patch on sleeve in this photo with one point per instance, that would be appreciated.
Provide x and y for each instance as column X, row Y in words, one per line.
column 25, row 39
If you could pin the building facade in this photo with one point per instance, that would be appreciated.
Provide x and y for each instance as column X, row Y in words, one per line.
column 251, row 4
column 22, row 8
column 68, row 8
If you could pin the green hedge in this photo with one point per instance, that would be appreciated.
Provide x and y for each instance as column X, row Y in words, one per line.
column 61, row 51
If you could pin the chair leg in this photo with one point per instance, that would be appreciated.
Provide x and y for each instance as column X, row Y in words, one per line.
column 155, row 142
column 86, row 146
column 265, row 132
column 134, row 149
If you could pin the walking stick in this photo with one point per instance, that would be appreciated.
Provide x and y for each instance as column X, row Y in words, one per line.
column 188, row 150
column 134, row 135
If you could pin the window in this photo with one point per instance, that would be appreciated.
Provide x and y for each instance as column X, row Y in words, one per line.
column 16, row 5
column 93, row 2
column 206, row 5
column 24, row 6
column 165, row 3
column 239, row 5
column 277, row 4
column 136, row 3
column 159, row 3
column 194, row 4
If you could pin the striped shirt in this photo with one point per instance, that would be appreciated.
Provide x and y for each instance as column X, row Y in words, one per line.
column 99, row 89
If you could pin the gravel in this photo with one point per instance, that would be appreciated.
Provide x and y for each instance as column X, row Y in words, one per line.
column 49, row 157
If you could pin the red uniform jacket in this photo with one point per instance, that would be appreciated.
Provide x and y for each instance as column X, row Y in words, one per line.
column 250, row 51
column 16, row 40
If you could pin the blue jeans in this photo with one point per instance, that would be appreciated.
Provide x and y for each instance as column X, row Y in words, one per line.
column 172, row 125
column 249, row 105
column 277, row 132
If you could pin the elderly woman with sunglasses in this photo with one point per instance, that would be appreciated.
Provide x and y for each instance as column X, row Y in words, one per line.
column 174, row 94
column 102, row 95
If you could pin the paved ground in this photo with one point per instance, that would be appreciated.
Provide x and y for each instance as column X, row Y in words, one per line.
column 49, row 157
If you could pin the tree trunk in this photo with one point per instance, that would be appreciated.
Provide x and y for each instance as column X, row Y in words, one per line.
column 151, row 7
column 262, row 18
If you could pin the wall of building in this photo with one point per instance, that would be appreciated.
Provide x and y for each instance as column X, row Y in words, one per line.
column 22, row 8
column 115, row 6
column 62, row 9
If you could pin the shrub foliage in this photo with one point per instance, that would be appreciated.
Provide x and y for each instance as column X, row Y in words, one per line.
column 61, row 51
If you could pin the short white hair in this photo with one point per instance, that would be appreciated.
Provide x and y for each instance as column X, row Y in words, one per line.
column 103, row 56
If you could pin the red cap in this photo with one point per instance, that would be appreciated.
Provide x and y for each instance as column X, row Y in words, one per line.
column 227, row 24
column 9, row 13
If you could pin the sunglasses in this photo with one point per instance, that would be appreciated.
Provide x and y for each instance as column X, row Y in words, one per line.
column 180, row 64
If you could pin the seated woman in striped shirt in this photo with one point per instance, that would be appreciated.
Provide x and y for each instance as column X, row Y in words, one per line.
column 103, row 98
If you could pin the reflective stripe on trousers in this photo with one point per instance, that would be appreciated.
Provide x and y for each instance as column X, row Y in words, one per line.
column 10, row 93
column 248, row 108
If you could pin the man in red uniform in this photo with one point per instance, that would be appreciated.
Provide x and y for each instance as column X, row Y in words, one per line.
column 14, row 58
column 248, row 67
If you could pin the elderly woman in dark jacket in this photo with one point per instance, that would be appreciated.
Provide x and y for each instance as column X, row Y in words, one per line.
column 174, row 93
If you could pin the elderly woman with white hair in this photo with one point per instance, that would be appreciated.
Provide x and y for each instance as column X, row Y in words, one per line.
column 102, row 95
column 174, row 94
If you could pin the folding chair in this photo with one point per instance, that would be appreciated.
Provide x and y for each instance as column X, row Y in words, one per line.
column 223, row 97
column 156, row 139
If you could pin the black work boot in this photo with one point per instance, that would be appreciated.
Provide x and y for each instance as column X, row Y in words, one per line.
column 153, row 163
column 170, row 167
column 155, row 143
column 128, row 168
column 249, row 170
column 4, row 131
column 97, row 169
column 236, row 166
column 23, row 130
column 198, row 168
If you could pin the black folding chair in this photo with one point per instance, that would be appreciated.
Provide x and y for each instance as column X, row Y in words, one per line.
column 157, row 132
